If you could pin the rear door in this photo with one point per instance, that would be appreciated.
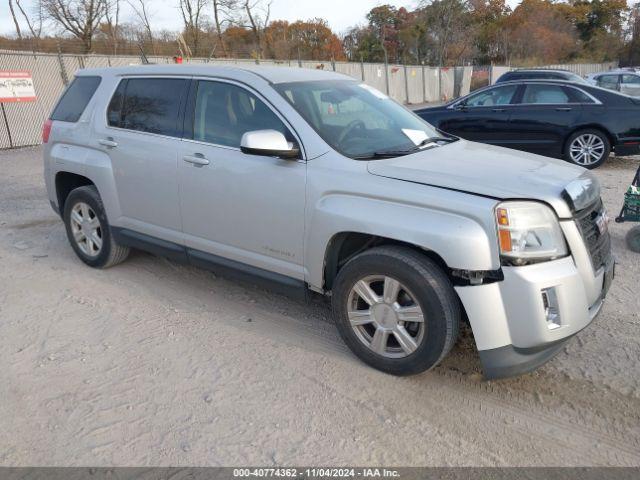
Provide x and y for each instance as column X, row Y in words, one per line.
column 141, row 135
column 542, row 118
column 483, row 117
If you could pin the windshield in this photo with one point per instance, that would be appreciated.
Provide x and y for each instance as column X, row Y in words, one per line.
column 357, row 120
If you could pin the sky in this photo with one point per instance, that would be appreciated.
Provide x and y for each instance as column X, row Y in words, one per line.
column 341, row 14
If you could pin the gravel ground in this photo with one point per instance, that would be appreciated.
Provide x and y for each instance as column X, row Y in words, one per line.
column 153, row 363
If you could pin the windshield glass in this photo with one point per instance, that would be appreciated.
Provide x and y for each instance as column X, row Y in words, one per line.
column 355, row 119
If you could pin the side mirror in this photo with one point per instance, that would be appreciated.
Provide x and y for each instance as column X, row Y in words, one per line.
column 461, row 105
column 270, row 143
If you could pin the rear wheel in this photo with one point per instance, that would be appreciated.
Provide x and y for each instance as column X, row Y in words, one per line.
column 88, row 230
column 587, row 148
column 396, row 310
column 633, row 239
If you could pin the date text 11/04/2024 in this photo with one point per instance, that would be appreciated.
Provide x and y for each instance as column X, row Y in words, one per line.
column 316, row 472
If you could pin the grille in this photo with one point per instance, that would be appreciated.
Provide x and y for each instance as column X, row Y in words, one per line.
column 598, row 244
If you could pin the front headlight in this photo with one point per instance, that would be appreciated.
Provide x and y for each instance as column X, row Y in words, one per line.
column 528, row 232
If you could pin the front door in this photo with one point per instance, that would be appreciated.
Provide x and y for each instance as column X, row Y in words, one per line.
column 483, row 117
column 610, row 81
column 247, row 208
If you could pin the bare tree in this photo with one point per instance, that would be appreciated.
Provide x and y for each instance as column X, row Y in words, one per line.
column 258, row 12
column 141, row 11
column 15, row 19
column 81, row 18
column 222, row 13
column 34, row 24
column 192, row 11
column 112, row 19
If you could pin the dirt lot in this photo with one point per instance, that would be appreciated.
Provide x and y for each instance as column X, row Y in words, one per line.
column 152, row 363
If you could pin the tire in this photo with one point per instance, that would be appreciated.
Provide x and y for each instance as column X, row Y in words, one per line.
column 588, row 148
column 101, row 251
column 633, row 239
column 422, row 284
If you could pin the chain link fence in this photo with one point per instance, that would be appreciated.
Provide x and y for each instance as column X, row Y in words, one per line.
column 20, row 123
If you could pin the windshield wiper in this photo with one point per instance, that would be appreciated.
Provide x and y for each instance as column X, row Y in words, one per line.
column 383, row 154
column 399, row 153
column 429, row 140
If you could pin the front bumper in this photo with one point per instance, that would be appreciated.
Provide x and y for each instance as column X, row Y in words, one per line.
column 509, row 320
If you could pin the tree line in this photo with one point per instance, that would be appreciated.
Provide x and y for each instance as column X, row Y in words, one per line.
column 436, row 32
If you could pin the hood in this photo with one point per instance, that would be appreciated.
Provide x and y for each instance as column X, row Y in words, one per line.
column 485, row 170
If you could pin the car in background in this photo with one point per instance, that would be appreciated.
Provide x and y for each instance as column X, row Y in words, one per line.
column 577, row 122
column 540, row 74
column 625, row 81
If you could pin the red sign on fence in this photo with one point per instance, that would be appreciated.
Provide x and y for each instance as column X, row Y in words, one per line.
column 16, row 86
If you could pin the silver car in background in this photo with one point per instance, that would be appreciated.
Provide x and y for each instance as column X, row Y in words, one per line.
column 625, row 81
column 309, row 181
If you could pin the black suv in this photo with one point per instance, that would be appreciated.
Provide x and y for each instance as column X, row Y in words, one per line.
column 541, row 74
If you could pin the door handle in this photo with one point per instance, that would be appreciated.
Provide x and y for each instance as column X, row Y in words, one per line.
column 563, row 109
column 498, row 109
column 196, row 159
column 108, row 142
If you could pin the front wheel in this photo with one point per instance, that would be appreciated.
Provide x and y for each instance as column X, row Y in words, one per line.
column 587, row 148
column 396, row 310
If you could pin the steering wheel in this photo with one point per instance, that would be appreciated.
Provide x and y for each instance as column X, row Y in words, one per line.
column 353, row 125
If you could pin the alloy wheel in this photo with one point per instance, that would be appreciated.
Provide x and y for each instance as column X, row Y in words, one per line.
column 587, row 149
column 86, row 229
column 385, row 316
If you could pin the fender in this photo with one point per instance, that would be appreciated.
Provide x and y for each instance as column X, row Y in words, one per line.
column 92, row 164
column 461, row 241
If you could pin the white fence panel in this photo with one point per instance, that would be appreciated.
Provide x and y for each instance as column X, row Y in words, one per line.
column 415, row 84
column 397, row 86
column 447, row 83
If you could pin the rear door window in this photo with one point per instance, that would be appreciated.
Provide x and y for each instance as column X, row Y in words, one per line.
column 75, row 99
column 545, row 95
column 149, row 105
column 578, row 96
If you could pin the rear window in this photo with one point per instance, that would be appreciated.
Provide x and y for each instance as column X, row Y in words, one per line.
column 147, row 105
column 511, row 76
column 75, row 99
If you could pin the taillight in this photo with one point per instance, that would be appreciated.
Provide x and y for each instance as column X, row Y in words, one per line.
column 46, row 130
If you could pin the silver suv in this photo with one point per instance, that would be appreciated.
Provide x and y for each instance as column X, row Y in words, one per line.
column 312, row 181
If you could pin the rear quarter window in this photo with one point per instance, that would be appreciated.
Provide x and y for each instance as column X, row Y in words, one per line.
column 511, row 76
column 75, row 99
